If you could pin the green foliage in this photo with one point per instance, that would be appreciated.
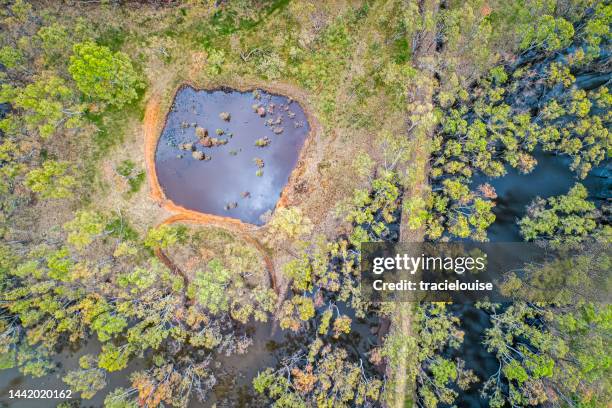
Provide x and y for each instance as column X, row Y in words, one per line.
column 84, row 228
column 562, row 220
column 550, row 33
column 210, row 287
column 287, row 224
column 327, row 378
column 88, row 380
column 11, row 57
column 342, row 325
column 113, row 358
column 165, row 235
column 103, row 75
column 60, row 264
column 300, row 272
column 108, row 325
column 55, row 42
column 47, row 104
column 295, row 311
column 52, row 180
column 597, row 28
column 119, row 398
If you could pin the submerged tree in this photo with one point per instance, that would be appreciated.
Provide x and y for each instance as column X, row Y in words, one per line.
column 552, row 342
column 88, row 379
column 325, row 376
column 435, row 333
column 564, row 219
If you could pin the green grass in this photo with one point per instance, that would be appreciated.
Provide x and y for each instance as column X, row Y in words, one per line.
column 135, row 178
column 227, row 21
column 113, row 38
column 119, row 228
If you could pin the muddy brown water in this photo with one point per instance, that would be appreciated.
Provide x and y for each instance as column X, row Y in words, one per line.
column 228, row 184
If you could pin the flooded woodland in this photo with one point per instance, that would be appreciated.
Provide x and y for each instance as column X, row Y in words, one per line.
column 186, row 188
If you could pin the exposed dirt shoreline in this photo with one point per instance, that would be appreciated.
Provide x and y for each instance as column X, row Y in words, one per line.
column 153, row 124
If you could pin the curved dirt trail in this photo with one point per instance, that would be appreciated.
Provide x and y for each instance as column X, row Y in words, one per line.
column 151, row 129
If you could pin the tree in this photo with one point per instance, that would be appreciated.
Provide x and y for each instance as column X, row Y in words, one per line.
column 287, row 224
column 564, row 219
column 113, row 358
column 52, row 180
column 55, row 41
column 324, row 377
column 120, row 398
column 295, row 312
column 436, row 332
column 47, row 104
column 11, row 57
column 172, row 383
column 165, row 235
column 84, row 228
column 550, row 33
column 597, row 28
column 210, row 287
column 103, row 75
column 88, row 380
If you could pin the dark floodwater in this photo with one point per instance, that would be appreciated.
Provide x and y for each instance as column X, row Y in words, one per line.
column 234, row 373
column 67, row 360
column 551, row 177
column 218, row 186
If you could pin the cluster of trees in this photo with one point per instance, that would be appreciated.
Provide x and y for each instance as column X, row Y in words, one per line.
column 517, row 107
column 435, row 333
column 566, row 219
column 552, row 341
column 104, row 281
column 51, row 103
column 320, row 375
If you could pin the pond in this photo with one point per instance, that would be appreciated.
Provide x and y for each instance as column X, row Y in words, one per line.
column 229, row 153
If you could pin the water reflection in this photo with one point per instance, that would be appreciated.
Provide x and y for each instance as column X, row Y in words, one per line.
column 228, row 183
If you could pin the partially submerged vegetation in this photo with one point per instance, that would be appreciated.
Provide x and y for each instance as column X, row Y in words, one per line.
column 416, row 100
